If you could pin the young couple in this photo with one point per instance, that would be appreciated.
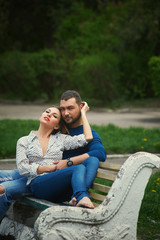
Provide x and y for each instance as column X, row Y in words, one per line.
column 54, row 166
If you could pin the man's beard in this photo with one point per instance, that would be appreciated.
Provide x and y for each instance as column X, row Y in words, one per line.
column 73, row 120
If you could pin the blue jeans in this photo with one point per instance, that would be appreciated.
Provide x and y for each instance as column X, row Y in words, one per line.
column 91, row 164
column 15, row 184
column 15, row 187
column 56, row 186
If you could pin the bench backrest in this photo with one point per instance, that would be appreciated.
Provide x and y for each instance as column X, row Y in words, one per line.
column 106, row 175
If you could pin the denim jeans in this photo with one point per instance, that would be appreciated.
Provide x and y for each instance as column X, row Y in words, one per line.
column 57, row 186
column 91, row 164
column 64, row 184
column 15, row 187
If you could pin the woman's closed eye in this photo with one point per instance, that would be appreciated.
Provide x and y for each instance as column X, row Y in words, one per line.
column 55, row 116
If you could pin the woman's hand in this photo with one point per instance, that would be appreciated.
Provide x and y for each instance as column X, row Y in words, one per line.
column 85, row 107
column 86, row 127
column 46, row 169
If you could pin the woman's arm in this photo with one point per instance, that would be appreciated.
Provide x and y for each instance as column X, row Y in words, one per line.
column 23, row 164
column 76, row 160
column 46, row 169
column 86, row 126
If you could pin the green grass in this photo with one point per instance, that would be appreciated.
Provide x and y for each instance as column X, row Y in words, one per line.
column 114, row 139
column 149, row 217
column 129, row 140
column 10, row 132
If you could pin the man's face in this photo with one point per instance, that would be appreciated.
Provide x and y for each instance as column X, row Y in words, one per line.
column 70, row 110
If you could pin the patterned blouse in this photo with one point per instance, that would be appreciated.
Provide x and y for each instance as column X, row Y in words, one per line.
column 29, row 153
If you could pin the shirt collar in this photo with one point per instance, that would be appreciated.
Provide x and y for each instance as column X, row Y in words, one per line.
column 32, row 135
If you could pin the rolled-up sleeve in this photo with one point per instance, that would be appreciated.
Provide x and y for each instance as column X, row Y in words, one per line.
column 73, row 142
column 26, row 169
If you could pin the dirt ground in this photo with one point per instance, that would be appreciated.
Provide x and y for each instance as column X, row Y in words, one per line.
column 138, row 117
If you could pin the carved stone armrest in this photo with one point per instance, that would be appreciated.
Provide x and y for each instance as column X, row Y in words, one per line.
column 116, row 218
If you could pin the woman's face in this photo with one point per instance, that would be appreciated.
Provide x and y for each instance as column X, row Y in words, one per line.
column 51, row 117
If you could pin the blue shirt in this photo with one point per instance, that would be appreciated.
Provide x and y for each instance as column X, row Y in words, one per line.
column 94, row 148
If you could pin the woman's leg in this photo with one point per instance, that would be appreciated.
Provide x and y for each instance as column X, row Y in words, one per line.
column 9, row 175
column 55, row 186
column 11, row 190
column 91, row 164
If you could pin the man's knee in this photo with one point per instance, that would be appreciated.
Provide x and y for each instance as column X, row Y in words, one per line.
column 2, row 189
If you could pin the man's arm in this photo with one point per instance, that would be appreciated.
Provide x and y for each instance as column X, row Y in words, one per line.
column 96, row 148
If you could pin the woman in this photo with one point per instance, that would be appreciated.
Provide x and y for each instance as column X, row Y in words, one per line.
column 35, row 158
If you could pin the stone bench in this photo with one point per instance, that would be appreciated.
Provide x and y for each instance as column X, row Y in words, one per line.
column 114, row 217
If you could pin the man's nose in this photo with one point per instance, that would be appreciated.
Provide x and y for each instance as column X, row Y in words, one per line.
column 66, row 112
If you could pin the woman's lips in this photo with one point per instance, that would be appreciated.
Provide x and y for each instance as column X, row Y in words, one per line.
column 46, row 118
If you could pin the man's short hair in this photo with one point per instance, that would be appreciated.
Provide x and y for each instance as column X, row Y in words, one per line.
column 71, row 94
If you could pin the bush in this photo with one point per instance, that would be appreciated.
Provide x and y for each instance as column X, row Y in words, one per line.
column 17, row 76
column 154, row 67
column 96, row 77
column 30, row 76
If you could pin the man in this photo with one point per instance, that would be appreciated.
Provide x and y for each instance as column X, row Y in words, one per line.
column 71, row 105
column 90, row 155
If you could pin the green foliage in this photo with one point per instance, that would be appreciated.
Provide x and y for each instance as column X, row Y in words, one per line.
column 100, row 48
column 154, row 67
column 30, row 76
column 96, row 76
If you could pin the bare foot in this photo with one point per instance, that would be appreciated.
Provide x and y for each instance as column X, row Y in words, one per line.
column 73, row 202
column 85, row 202
column 2, row 190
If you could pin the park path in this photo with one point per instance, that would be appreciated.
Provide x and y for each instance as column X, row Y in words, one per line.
column 138, row 117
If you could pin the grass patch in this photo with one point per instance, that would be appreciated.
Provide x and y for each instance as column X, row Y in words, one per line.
column 115, row 139
column 11, row 131
column 129, row 140
column 149, row 216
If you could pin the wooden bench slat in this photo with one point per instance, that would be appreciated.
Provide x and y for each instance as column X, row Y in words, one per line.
column 106, row 176
column 100, row 187
column 95, row 204
column 109, row 166
column 97, row 196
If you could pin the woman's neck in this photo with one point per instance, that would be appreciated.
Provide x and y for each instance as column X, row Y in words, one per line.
column 43, row 132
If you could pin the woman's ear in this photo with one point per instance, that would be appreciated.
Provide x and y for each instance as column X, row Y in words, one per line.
column 57, row 127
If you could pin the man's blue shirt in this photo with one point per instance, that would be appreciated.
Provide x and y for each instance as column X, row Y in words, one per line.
column 93, row 148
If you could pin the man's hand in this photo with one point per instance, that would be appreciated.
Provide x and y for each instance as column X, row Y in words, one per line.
column 60, row 164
